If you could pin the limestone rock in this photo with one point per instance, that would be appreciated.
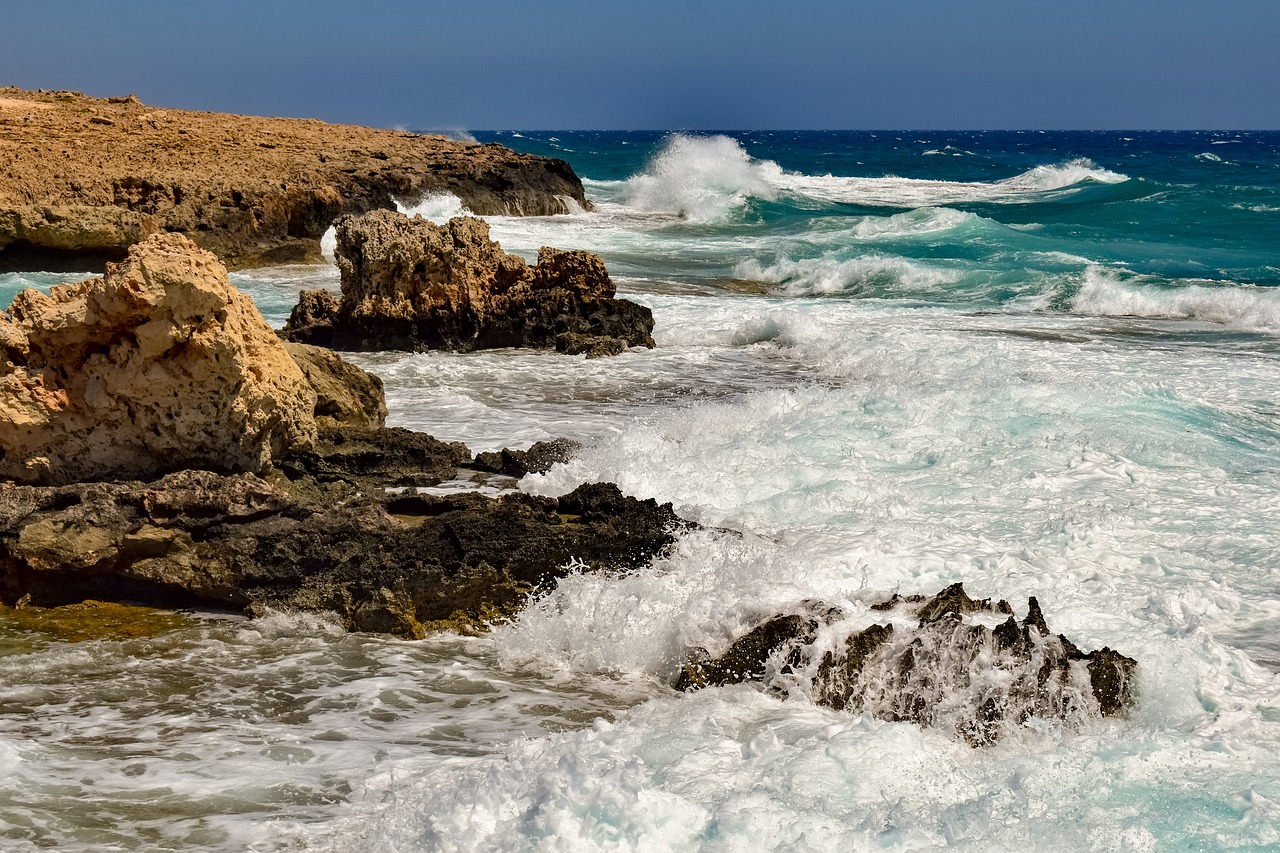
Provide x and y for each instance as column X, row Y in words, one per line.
column 85, row 178
column 157, row 366
column 345, row 394
column 413, row 285
column 935, row 661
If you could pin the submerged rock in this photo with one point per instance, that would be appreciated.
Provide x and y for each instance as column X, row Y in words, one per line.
column 159, row 365
column 945, row 660
column 412, row 285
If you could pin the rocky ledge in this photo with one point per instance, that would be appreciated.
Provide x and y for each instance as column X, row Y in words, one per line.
column 410, row 284
column 949, row 661
column 159, row 444
column 85, row 178
column 309, row 539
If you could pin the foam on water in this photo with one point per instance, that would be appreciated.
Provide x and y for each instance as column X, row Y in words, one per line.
column 1111, row 293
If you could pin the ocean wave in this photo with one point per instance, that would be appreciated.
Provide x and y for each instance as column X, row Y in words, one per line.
column 1111, row 293
column 869, row 275
column 702, row 178
column 709, row 178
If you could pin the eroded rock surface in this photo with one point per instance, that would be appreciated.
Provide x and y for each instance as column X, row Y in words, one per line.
column 968, row 666
column 409, row 284
column 159, row 365
column 398, row 564
column 85, row 178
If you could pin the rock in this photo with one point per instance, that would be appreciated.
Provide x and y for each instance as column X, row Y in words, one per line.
column 85, row 178
column 160, row 365
column 372, row 459
column 412, row 285
column 538, row 459
column 929, row 665
column 396, row 564
column 345, row 394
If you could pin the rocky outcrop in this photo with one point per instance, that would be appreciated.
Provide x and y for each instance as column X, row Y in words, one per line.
column 946, row 660
column 400, row 564
column 345, row 394
column 412, row 285
column 85, row 178
column 538, row 459
column 160, row 365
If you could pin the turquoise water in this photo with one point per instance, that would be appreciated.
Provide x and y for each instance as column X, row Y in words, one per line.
column 1040, row 364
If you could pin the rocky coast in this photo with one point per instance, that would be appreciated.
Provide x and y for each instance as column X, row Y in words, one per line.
column 165, row 447
column 85, row 178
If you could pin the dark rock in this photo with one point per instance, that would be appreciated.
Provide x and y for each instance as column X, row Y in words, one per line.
column 373, row 459
column 409, row 284
column 945, row 672
column 538, row 459
column 397, row 565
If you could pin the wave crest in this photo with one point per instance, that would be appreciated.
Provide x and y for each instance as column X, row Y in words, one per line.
column 1107, row 293
column 710, row 178
column 702, row 178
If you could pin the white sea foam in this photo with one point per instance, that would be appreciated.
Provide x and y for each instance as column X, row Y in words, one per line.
column 709, row 178
column 701, row 178
column 1109, row 293
column 437, row 207
column 870, row 275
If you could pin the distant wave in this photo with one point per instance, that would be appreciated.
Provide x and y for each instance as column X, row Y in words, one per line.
column 708, row 178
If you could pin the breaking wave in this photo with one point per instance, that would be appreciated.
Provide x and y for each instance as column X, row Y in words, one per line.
column 1111, row 293
column 707, row 178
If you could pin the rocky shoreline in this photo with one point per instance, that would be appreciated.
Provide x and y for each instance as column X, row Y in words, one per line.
column 160, row 444
column 85, row 178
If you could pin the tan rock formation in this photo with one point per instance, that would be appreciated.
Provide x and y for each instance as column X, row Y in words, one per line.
column 157, row 366
column 410, row 284
column 345, row 394
column 84, row 178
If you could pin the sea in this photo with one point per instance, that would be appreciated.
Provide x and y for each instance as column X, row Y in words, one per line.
column 1038, row 363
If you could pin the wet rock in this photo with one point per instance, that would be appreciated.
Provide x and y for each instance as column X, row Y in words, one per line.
column 85, row 178
column 374, row 459
column 388, row 563
column 937, row 662
column 159, row 365
column 96, row 620
column 538, row 459
column 409, row 284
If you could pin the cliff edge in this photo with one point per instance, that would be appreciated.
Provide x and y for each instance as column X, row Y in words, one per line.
column 84, row 178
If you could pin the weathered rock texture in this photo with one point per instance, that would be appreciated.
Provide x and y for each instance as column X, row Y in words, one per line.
column 157, row 366
column 345, row 394
column 85, row 178
column 399, row 564
column 945, row 660
column 410, row 284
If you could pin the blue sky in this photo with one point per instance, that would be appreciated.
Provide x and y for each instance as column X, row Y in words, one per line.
column 659, row 64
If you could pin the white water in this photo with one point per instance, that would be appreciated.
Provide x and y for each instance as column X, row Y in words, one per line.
column 1115, row 457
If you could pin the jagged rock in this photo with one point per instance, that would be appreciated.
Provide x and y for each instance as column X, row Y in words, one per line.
column 538, row 459
column 85, row 178
column 412, row 285
column 929, row 665
column 345, row 394
column 394, row 564
column 157, row 366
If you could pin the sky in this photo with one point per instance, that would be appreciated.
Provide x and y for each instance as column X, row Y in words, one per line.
column 661, row 64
